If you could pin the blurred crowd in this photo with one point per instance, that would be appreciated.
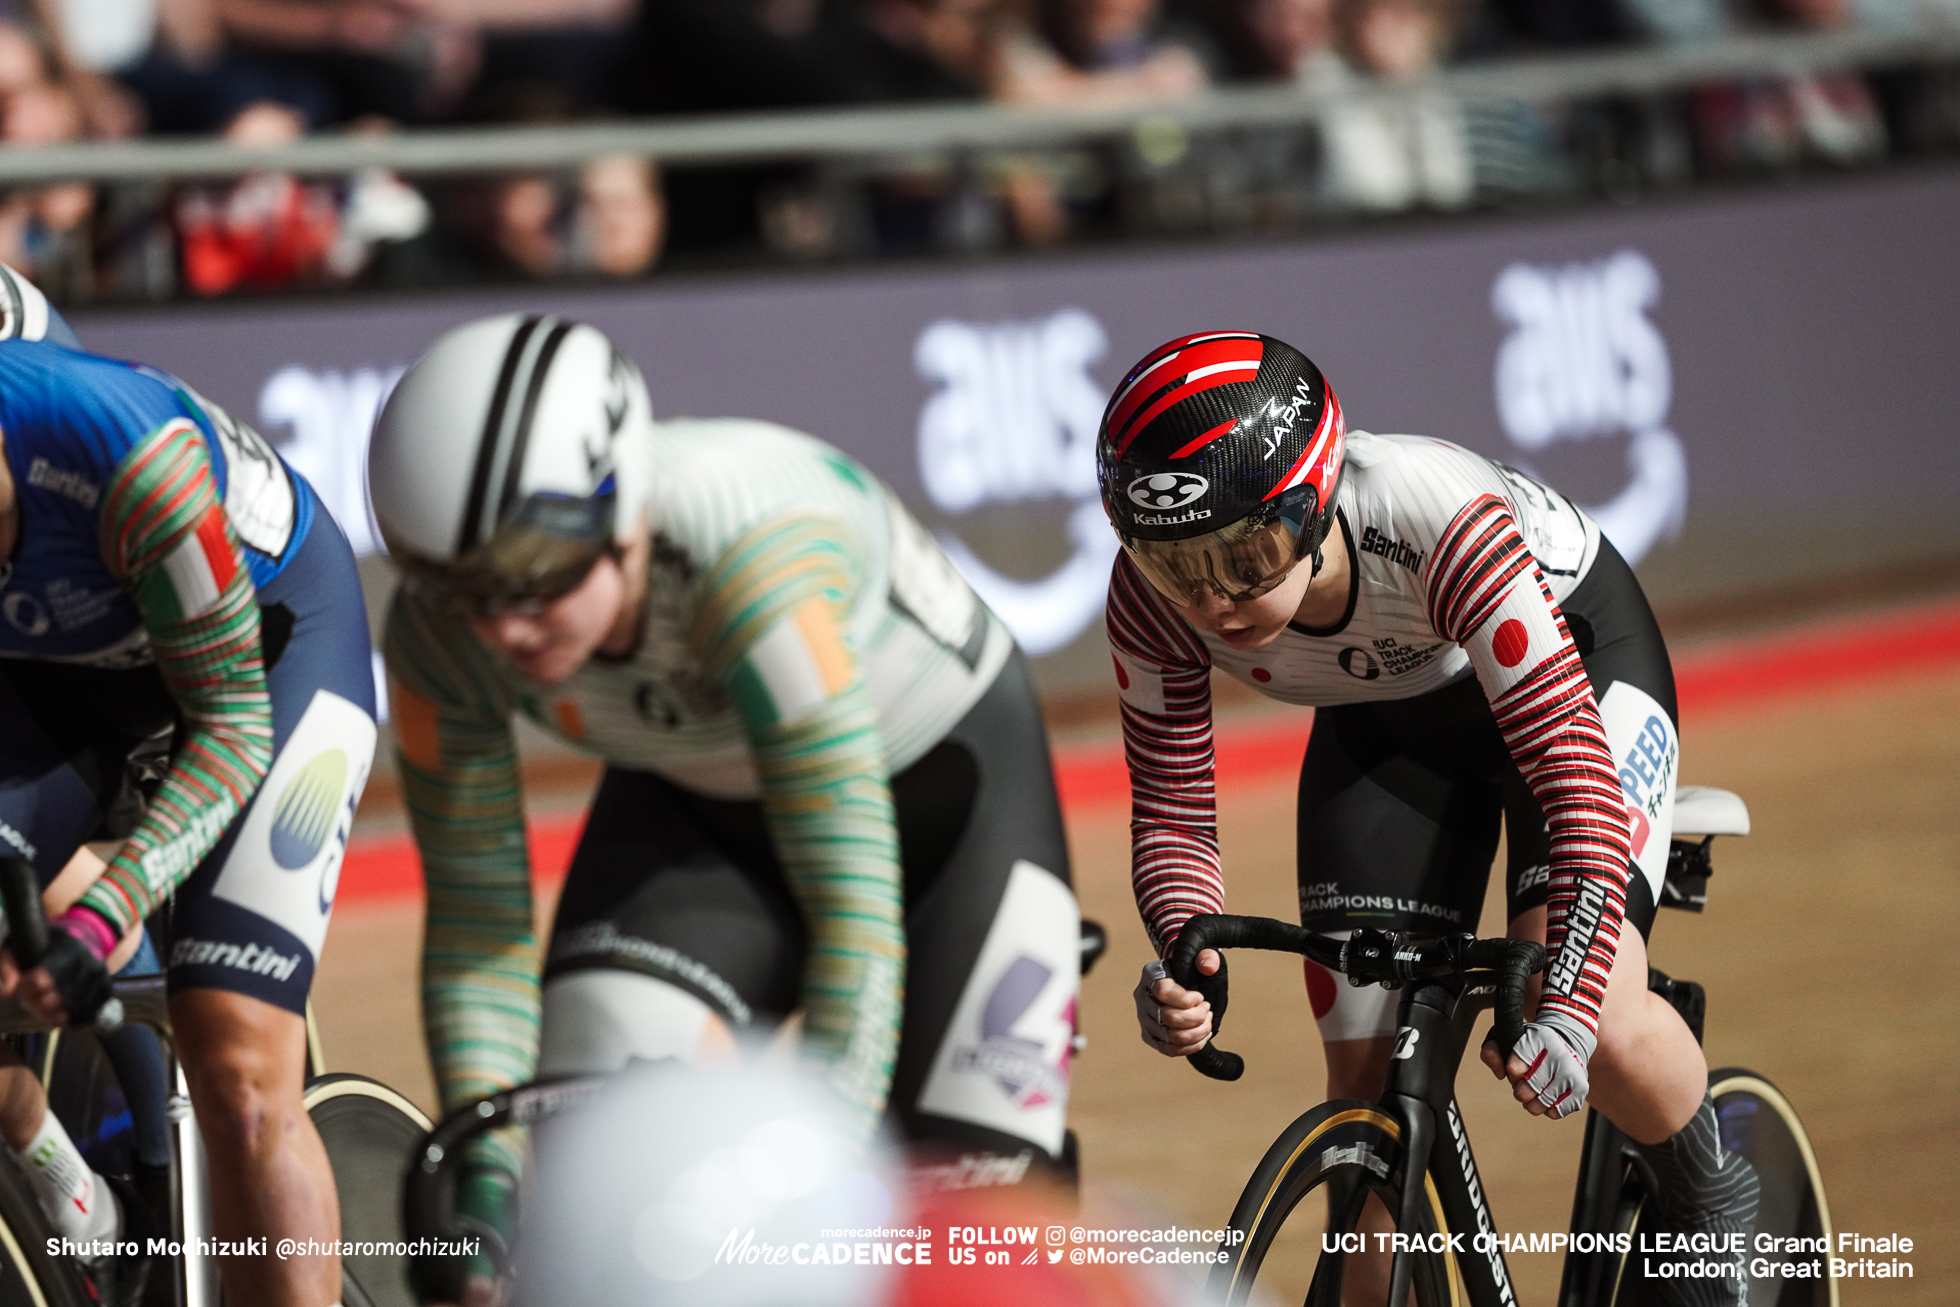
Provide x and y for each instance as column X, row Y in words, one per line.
column 267, row 71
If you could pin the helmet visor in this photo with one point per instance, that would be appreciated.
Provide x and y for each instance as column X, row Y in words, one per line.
column 539, row 554
column 1239, row 562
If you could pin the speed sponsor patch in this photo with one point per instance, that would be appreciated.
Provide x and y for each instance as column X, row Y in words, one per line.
column 1004, row 1061
column 1647, row 755
column 285, row 864
column 1516, row 639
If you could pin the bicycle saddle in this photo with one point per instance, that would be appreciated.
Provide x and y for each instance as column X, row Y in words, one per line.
column 1704, row 810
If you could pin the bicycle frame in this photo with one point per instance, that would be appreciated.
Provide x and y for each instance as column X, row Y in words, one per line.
column 1435, row 1023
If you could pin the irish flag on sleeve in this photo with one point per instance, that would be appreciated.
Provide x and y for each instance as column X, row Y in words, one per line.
column 794, row 667
column 194, row 574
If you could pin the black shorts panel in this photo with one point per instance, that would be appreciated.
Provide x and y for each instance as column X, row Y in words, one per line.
column 689, row 888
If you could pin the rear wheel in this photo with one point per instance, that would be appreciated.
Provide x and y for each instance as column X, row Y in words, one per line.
column 1340, row 1153
column 370, row 1133
column 1757, row 1121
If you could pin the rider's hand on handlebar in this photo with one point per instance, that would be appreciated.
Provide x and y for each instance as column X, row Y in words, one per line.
column 1547, row 1067
column 72, row 977
column 33, row 990
column 1175, row 1021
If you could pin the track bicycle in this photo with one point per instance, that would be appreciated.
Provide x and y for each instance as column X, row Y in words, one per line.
column 1412, row 1149
column 428, row 1194
column 368, row 1130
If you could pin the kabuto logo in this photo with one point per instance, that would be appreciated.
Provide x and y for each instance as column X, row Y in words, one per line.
column 1015, row 1063
column 306, row 812
column 1167, row 490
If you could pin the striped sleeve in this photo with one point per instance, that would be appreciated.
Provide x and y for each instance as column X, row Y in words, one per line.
column 165, row 538
column 1485, row 591
column 1163, row 679
column 459, row 774
column 771, row 626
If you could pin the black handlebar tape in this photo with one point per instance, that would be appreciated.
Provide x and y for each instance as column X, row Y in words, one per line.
column 1519, row 959
column 1221, row 931
column 27, row 924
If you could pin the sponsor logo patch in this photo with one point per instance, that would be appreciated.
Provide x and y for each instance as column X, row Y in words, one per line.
column 285, row 864
column 1004, row 1062
column 1360, row 664
column 304, row 817
column 1647, row 756
column 255, row 958
column 25, row 614
column 1395, row 551
column 73, row 485
column 1167, row 490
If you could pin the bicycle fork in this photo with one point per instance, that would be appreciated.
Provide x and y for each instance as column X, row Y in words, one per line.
column 1437, row 1019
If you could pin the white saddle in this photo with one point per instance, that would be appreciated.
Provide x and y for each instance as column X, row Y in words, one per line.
column 1704, row 810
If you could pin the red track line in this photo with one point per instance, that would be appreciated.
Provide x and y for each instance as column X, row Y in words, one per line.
column 1092, row 778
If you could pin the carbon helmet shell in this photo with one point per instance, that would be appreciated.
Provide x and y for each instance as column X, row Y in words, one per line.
column 1213, row 428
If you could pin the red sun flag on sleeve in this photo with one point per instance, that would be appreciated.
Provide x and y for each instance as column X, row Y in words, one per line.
column 193, row 575
column 1516, row 639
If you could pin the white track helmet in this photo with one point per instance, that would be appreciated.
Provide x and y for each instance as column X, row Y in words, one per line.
column 510, row 458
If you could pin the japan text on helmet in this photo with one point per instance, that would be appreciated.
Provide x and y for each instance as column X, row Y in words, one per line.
column 1219, row 457
column 510, row 459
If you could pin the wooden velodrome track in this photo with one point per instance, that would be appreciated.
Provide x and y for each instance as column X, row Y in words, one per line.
column 1827, row 950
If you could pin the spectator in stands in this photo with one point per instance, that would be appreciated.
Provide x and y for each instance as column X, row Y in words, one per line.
column 1394, row 154
column 532, row 57
column 1086, row 50
column 618, row 225
column 43, row 229
column 927, row 49
column 271, row 231
column 1776, row 123
column 609, row 222
column 1270, row 177
column 1285, row 40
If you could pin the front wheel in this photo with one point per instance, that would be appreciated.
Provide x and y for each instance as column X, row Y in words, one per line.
column 1344, row 1151
column 29, row 1277
column 370, row 1133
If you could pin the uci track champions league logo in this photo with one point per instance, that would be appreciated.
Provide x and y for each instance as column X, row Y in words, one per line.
column 1015, row 419
column 1582, row 362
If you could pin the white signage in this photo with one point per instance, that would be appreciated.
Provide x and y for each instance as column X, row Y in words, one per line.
column 1582, row 361
column 1015, row 418
column 330, row 416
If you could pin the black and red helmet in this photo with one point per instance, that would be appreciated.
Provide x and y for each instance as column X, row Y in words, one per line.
column 1219, row 457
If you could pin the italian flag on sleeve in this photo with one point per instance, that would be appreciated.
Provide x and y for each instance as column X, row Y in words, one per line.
column 194, row 574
